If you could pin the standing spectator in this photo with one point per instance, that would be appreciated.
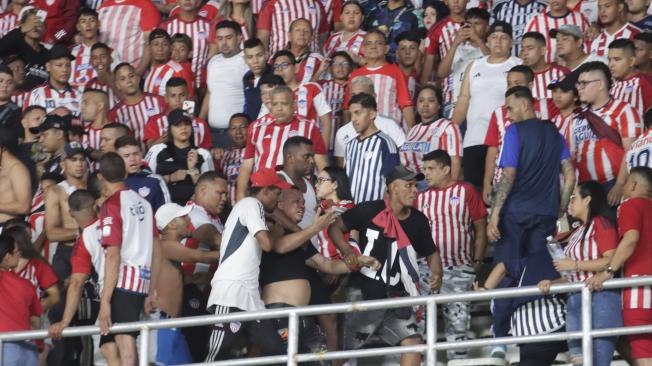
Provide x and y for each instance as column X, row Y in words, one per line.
column 308, row 63
column 130, row 243
column 523, row 215
column 148, row 185
column 371, row 155
column 340, row 68
column 458, row 221
column 643, row 47
column 556, row 15
column 570, row 47
column 566, row 98
column 135, row 107
column 256, row 58
column 101, row 61
column 20, row 308
column 233, row 156
column 388, row 221
column 299, row 163
column 432, row 133
column 163, row 68
column 632, row 256
column 53, row 135
column 240, row 12
column 190, row 23
column 225, row 71
column 638, row 16
column 125, row 27
column 9, row 18
column 613, row 17
column 392, row 95
column 629, row 85
column 309, row 100
column 88, row 26
column 518, row 13
column 276, row 16
column 332, row 185
column 10, row 113
column 60, row 20
column 94, row 115
column 393, row 18
column 279, row 125
column 483, row 89
column 110, row 133
column 179, row 161
column 533, row 54
column 351, row 38
column 639, row 153
column 182, row 51
column 589, row 250
column 407, row 55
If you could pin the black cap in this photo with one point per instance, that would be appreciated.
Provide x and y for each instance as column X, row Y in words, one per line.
column 58, row 51
column 178, row 115
column 401, row 172
column 11, row 58
column 159, row 33
column 500, row 26
column 72, row 148
column 565, row 84
column 51, row 121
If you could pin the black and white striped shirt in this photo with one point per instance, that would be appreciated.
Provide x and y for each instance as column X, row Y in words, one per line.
column 541, row 316
column 517, row 15
column 367, row 161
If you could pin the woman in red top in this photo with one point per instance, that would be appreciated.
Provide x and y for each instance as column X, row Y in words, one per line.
column 588, row 251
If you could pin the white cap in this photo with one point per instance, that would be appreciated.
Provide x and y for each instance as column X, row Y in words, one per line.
column 168, row 212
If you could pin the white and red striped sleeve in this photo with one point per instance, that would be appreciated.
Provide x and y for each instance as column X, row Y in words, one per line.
column 451, row 140
column 81, row 260
column 111, row 221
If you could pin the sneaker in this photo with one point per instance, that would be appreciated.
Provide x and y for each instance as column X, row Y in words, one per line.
column 498, row 352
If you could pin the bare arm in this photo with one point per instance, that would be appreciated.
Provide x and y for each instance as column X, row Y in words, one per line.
column 21, row 203
column 434, row 262
column 408, row 115
column 265, row 240
column 428, row 66
column 497, row 274
column 489, row 170
column 292, row 241
column 53, row 298
column 73, row 296
column 54, row 229
column 326, row 129
column 503, row 187
column 456, row 167
column 480, row 244
column 146, row 60
column 203, row 112
column 625, row 249
column 176, row 252
column 336, row 232
column 320, row 263
column 616, row 193
column 445, row 66
column 243, row 178
column 462, row 106
column 568, row 170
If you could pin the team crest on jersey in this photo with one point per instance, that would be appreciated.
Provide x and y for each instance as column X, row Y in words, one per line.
column 629, row 88
column 292, row 133
column 144, row 191
column 235, row 326
column 203, row 13
column 455, row 200
column 82, row 79
column 151, row 110
column 201, row 35
column 83, row 67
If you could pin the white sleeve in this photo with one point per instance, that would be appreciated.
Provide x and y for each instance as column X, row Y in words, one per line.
column 152, row 155
column 397, row 134
column 164, row 188
column 208, row 161
column 339, row 148
column 321, row 104
column 198, row 217
column 252, row 215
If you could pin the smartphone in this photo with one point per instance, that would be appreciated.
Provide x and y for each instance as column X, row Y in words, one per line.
column 189, row 106
column 41, row 15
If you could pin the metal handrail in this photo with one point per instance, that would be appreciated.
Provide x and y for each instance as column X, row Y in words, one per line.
column 430, row 348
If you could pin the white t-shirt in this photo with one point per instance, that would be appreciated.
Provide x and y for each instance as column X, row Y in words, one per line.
column 347, row 132
column 235, row 282
column 464, row 54
column 592, row 57
column 224, row 81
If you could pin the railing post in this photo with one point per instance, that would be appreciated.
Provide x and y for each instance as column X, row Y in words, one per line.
column 144, row 346
column 2, row 346
column 293, row 338
column 587, row 327
column 431, row 332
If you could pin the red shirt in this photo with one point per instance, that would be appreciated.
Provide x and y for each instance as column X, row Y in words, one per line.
column 40, row 274
column 441, row 36
column 544, row 78
column 635, row 90
column 158, row 77
column 60, row 20
column 136, row 115
column 18, row 302
column 158, row 125
column 636, row 214
column 590, row 243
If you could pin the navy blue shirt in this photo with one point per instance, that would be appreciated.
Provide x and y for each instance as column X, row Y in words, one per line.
column 394, row 22
column 149, row 186
column 253, row 101
column 645, row 24
column 535, row 148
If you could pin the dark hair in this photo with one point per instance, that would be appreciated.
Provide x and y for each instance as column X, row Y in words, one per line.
column 229, row 24
column 377, row 32
column 354, row 3
column 182, row 38
column 441, row 9
column 126, row 140
column 598, row 205
column 439, row 156
column 94, row 185
column 88, row 11
column 55, row 176
column 32, row 108
column 477, row 13
column 408, row 36
column 20, row 234
column 343, row 54
column 538, row 37
column 112, row 168
column 647, row 118
column 285, row 53
column 99, row 91
column 253, row 43
column 365, row 100
column 271, row 79
column 240, row 115
column 623, row 44
column 4, row 69
column 7, row 245
column 100, row 45
column 644, row 36
column 338, row 175
column 434, row 90
column 76, row 130
column 293, row 143
column 176, row 81
column 121, row 65
column 645, row 173
column 118, row 126
column 159, row 33
column 525, row 70
column 81, row 199
column 170, row 143
column 208, row 177
column 520, row 92
column 600, row 67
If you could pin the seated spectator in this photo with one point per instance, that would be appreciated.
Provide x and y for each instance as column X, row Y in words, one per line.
column 351, row 38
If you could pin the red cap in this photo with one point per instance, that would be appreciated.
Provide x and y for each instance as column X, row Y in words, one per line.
column 267, row 177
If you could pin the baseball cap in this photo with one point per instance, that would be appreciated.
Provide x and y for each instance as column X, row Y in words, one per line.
column 168, row 212
column 570, row 29
column 159, row 33
column 178, row 115
column 51, row 121
column 500, row 26
column 267, row 177
column 72, row 148
column 565, row 84
column 401, row 172
column 58, row 51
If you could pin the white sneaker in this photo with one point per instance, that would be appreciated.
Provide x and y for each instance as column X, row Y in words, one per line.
column 498, row 352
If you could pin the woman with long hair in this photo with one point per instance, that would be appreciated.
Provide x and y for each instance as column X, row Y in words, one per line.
column 588, row 251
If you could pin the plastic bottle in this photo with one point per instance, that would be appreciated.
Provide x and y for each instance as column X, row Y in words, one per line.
column 556, row 252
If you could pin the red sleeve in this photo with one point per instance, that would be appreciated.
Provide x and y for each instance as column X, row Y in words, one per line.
column 35, row 308
column 605, row 235
column 151, row 131
column 250, row 148
column 475, row 203
column 154, row 226
column 432, row 40
column 318, row 141
column 69, row 20
column 492, row 132
column 149, row 17
column 111, row 222
column 347, row 94
column 337, row 10
column 80, row 260
column 207, row 141
column 402, row 91
column 113, row 113
column 553, row 111
column 265, row 16
column 45, row 274
column 324, row 27
column 630, row 217
column 646, row 90
column 185, row 75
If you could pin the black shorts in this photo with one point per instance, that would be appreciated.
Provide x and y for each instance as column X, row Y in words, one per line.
column 126, row 307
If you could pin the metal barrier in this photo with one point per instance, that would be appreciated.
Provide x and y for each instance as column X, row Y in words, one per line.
column 292, row 358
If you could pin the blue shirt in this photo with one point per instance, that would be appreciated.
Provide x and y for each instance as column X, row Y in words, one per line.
column 253, row 100
column 645, row 24
column 394, row 22
column 151, row 187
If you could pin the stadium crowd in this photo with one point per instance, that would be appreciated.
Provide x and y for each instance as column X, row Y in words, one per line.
column 172, row 158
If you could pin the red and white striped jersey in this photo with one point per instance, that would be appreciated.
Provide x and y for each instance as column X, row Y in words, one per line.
column 50, row 98
column 636, row 214
column 640, row 150
column 544, row 78
column 265, row 139
column 310, row 102
column 8, row 22
column 198, row 217
column 123, row 24
column 308, row 66
column 82, row 70
column 600, row 159
column 230, row 164
column 544, row 22
column 600, row 45
column 158, row 125
column 325, row 245
column 19, row 98
column 95, row 83
column 127, row 222
column 40, row 274
column 635, row 90
column 391, row 87
column 88, row 253
column 158, row 77
column 136, row 115
column 590, row 243
column 452, row 211
column 441, row 36
column 441, row 134
column 277, row 15
column 354, row 45
column 208, row 11
column 333, row 10
column 565, row 128
column 91, row 138
column 334, row 94
column 199, row 31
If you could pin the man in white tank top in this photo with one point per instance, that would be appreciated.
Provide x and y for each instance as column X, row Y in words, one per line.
column 299, row 163
column 483, row 90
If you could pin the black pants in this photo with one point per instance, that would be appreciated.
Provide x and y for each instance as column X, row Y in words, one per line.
column 541, row 354
column 473, row 164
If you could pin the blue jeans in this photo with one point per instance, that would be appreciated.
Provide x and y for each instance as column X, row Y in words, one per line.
column 19, row 354
column 607, row 313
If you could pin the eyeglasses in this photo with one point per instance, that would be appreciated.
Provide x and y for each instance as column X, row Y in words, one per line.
column 321, row 180
column 341, row 64
column 581, row 84
column 282, row 65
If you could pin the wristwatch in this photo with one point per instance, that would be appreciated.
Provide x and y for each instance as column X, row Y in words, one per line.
column 609, row 270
